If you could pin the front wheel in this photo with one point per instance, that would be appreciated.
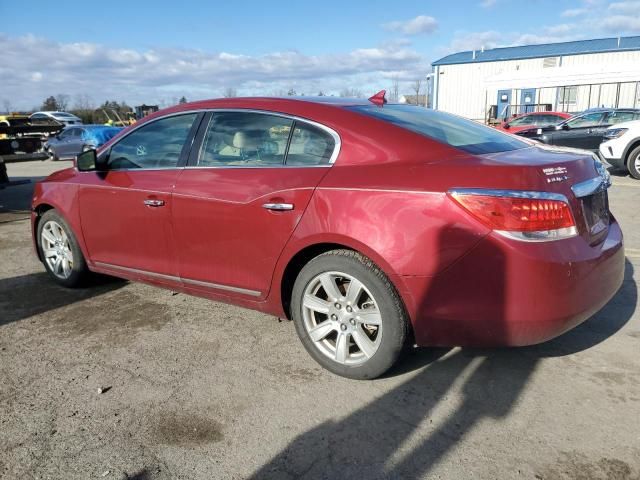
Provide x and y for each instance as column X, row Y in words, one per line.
column 633, row 164
column 348, row 315
column 59, row 250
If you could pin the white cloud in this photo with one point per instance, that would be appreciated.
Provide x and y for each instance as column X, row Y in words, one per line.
column 595, row 19
column 418, row 25
column 34, row 68
column 618, row 23
column 488, row 3
column 630, row 8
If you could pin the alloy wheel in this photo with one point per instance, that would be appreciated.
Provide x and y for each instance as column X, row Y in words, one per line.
column 56, row 249
column 342, row 318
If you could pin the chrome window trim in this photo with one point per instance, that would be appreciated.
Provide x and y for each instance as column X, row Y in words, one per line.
column 294, row 118
column 334, row 155
column 188, row 281
column 510, row 193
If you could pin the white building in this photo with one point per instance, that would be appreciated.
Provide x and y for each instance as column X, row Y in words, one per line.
column 568, row 77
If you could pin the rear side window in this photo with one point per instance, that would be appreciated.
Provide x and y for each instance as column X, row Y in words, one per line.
column 619, row 117
column 157, row 144
column 458, row 132
column 588, row 120
column 245, row 139
column 310, row 146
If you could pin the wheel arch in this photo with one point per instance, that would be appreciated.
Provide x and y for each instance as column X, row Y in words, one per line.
column 39, row 210
column 631, row 146
column 304, row 253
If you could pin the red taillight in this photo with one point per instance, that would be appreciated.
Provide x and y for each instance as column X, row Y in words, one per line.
column 516, row 211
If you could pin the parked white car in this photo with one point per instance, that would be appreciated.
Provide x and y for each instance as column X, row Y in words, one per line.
column 621, row 146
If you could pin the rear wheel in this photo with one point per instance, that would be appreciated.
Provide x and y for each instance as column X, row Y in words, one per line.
column 348, row 315
column 633, row 163
column 59, row 250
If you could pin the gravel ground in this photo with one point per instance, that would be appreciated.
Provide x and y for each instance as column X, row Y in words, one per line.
column 126, row 381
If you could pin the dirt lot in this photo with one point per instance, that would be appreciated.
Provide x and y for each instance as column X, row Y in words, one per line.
column 195, row 389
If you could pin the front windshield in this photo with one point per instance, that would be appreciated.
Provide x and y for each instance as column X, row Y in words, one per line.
column 527, row 120
column 467, row 135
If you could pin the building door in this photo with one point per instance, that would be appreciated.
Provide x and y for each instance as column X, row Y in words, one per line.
column 504, row 102
column 527, row 100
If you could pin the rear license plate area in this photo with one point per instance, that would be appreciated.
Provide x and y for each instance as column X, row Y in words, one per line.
column 596, row 213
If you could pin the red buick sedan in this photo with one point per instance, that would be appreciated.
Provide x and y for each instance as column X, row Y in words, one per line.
column 373, row 226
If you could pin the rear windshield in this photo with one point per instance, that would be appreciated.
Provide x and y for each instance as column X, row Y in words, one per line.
column 458, row 132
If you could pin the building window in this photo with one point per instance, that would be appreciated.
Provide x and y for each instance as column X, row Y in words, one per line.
column 550, row 62
column 568, row 95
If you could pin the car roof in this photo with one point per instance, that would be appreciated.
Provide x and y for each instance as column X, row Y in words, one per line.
column 313, row 108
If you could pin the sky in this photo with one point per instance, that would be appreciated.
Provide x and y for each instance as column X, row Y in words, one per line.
column 155, row 52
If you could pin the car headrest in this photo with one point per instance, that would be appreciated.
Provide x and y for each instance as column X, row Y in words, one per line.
column 248, row 139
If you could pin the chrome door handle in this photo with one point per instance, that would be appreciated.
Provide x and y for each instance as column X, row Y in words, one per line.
column 280, row 207
column 154, row 203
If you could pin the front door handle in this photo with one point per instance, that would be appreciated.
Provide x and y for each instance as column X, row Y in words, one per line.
column 279, row 207
column 154, row 203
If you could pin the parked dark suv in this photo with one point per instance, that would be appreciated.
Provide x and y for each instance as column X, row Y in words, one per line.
column 584, row 130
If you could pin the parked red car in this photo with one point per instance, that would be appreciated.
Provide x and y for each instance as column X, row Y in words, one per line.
column 533, row 119
column 374, row 227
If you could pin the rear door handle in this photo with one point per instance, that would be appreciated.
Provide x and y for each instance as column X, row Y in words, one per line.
column 154, row 203
column 279, row 207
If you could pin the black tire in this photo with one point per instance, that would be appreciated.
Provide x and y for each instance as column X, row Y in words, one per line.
column 633, row 163
column 395, row 325
column 52, row 155
column 79, row 271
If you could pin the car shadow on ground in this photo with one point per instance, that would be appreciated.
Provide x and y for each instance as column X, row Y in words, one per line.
column 489, row 383
column 15, row 200
column 35, row 293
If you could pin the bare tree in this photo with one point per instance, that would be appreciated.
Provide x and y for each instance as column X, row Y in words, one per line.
column 82, row 101
column 62, row 99
column 417, row 86
column 83, row 107
column 291, row 93
column 7, row 105
column 394, row 94
column 351, row 93
column 230, row 92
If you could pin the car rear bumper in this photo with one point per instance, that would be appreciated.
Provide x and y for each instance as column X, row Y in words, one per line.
column 510, row 293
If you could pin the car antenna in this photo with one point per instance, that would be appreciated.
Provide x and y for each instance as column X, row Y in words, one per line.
column 379, row 98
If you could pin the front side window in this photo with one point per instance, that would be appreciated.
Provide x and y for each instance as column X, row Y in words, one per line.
column 245, row 139
column 155, row 145
column 588, row 120
column 457, row 132
column 310, row 145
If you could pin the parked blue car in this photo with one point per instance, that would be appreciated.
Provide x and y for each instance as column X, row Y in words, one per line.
column 74, row 140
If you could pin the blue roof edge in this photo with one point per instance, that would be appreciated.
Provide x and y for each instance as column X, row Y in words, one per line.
column 522, row 52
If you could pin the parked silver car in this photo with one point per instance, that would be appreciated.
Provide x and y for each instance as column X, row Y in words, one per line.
column 75, row 140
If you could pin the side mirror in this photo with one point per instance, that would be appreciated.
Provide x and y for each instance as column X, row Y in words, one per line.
column 506, row 126
column 565, row 126
column 88, row 161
